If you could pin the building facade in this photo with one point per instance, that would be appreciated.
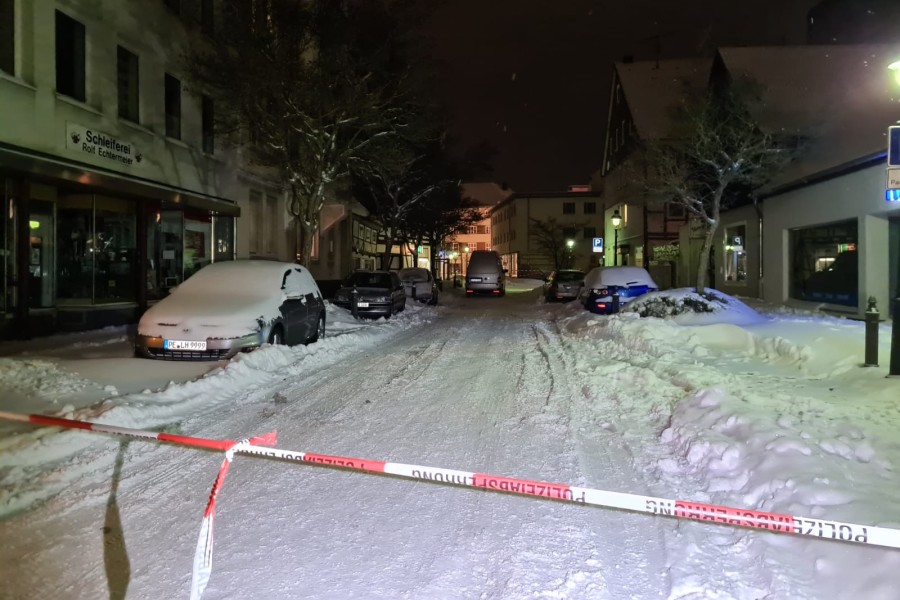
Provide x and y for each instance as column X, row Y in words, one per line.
column 115, row 187
column 579, row 215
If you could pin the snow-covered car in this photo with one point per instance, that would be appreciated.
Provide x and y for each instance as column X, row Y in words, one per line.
column 563, row 285
column 231, row 306
column 419, row 284
column 602, row 283
column 371, row 294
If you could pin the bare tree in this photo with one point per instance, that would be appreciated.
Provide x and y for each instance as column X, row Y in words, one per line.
column 305, row 88
column 550, row 237
column 720, row 156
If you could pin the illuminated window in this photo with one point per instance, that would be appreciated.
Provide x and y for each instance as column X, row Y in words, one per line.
column 736, row 254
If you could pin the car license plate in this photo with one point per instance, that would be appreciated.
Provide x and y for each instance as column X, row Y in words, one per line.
column 475, row 279
column 183, row 345
column 362, row 304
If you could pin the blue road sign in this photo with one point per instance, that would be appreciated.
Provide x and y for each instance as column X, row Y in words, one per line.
column 598, row 245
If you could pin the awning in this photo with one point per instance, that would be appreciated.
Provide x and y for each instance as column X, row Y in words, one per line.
column 47, row 165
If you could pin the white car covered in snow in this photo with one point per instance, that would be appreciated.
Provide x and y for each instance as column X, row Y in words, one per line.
column 419, row 284
column 227, row 307
column 606, row 289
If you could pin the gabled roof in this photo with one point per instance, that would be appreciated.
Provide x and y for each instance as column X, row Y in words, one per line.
column 842, row 98
column 653, row 89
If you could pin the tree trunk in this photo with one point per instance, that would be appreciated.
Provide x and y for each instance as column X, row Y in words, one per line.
column 711, row 228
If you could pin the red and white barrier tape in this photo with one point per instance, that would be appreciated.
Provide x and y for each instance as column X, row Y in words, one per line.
column 710, row 513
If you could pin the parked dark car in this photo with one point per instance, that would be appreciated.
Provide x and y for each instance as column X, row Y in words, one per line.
column 602, row 284
column 563, row 285
column 419, row 284
column 372, row 294
column 232, row 306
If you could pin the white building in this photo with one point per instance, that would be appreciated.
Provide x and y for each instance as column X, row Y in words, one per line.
column 115, row 185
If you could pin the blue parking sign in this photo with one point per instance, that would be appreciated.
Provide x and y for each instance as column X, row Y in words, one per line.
column 598, row 245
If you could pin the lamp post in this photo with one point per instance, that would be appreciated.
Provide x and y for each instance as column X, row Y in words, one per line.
column 616, row 221
column 569, row 245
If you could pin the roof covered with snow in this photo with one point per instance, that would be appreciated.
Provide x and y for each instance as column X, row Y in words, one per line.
column 842, row 98
column 653, row 89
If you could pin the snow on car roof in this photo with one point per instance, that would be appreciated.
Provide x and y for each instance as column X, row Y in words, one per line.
column 246, row 277
column 622, row 276
column 413, row 274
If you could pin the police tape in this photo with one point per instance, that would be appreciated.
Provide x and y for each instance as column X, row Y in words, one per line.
column 707, row 513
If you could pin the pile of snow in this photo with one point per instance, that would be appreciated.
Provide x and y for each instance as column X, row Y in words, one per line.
column 686, row 306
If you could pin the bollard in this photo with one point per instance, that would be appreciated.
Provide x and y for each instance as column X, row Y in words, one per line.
column 872, row 318
column 615, row 302
column 354, row 302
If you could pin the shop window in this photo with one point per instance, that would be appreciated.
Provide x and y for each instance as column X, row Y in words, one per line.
column 7, row 246
column 41, row 254
column 736, row 254
column 207, row 119
column 128, row 87
column 173, row 107
column 224, row 229
column 197, row 243
column 115, row 250
column 164, row 251
column 69, row 57
column 824, row 264
column 96, row 249
column 8, row 36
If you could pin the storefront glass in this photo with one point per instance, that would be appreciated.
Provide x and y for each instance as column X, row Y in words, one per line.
column 224, row 230
column 41, row 254
column 164, row 251
column 7, row 248
column 736, row 254
column 825, row 265
column 97, row 249
column 197, row 243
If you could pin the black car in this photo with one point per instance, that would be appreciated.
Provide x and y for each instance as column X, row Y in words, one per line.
column 563, row 285
column 372, row 294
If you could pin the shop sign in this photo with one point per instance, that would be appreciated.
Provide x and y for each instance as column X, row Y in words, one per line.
column 87, row 140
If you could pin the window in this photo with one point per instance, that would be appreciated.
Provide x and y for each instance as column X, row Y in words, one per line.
column 824, row 265
column 173, row 107
column 207, row 20
column 69, row 57
column 568, row 208
column 174, row 6
column 590, row 233
column 208, row 124
column 569, row 232
column 736, row 254
column 590, row 208
column 129, row 102
column 8, row 36
column 224, row 230
column 674, row 210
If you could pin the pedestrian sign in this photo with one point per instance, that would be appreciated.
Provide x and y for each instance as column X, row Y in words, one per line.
column 598, row 245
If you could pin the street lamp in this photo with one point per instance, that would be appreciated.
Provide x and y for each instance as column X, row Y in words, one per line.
column 570, row 244
column 616, row 221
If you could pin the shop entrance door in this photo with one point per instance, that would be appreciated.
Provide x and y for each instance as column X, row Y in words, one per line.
column 7, row 250
column 41, row 254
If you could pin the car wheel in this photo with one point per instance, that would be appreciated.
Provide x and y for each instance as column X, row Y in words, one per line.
column 276, row 337
column 320, row 330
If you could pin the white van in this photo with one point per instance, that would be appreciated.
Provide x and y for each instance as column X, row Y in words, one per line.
column 485, row 274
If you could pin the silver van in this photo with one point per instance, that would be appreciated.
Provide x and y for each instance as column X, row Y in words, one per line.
column 485, row 274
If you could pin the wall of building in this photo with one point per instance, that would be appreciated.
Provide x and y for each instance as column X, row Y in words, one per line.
column 855, row 198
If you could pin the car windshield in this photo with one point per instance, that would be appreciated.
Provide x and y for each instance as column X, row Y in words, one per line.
column 374, row 280
column 570, row 276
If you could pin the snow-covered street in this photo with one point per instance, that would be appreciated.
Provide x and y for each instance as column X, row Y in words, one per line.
column 773, row 415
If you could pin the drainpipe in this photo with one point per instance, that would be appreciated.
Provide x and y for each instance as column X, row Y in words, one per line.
column 759, row 215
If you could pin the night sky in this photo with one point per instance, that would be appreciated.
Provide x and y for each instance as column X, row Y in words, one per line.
column 533, row 76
